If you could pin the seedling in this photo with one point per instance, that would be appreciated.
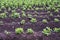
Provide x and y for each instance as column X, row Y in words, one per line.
column 32, row 8
column 56, row 10
column 37, row 8
column 2, row 7
column 47, row 31
column 28, row 8
column 13, row 11
column 48, row 11
column 22, row 22
column 23, row 8
column 29, row 16
column 44, row 21
column 56, row 29
column 3, row 15
column 48, row 8
column 51, row 14
column 6, row 32
column 19, row 30
column 41, row 8
column 33, row 20
column 23, row 14
column 56, row 20
column 15, row 15
column 30, row 31
column 9, row 9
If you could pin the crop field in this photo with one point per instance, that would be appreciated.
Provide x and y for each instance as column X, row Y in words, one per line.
column 29, row 19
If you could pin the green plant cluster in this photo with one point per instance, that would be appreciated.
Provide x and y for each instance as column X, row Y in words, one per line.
column 3, row 15
column 46, row 31
column 56, row 29
column 56, row 20
column 44, row 21
column 21, row 30
column 30, row 31
column 15, row 15
column 22, row 22
column 49, row 4
column 33, row 20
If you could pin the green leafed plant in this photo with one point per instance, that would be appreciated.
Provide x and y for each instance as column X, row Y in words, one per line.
column 22, row 22
column 44, row 21
column 56, row 20
column 37, row 8
column 30, row 31
column 47, row 31
column 19, row 30
column 3, row 15
column 15, row 15
column 56, row 29
column 23, row 14
column 33, row 20
column 51, row 14
column 29, row 16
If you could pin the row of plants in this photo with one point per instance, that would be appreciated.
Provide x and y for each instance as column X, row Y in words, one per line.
column 28, row 4
column 17, row 15
column 46, row 31
column 33, row 20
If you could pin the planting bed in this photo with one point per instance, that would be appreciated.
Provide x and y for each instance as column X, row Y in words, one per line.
column 36, row 22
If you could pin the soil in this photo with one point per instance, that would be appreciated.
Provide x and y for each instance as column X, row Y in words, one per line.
column 10, row 24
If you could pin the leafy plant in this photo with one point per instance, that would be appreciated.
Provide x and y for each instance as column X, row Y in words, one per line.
column 56, row 29
column 3, row 15
column 56, row 10
column 51, row 14
column 9, row 9
column 19, row 30
column 44, row 21
column 29, row 16
column 30, row 31
column 56, row 20
column 47, row 31
column 15, row 15
column 33, row 20
column 24, row 4
column 37, row 8
column 22, row 22
column 23, row 14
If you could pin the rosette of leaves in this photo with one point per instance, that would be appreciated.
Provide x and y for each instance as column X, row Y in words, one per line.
column 3, row 15
column 15, row 15
column 19, row 30
column 30, row 31
column 56, row 29
column 33, row 20
column 56, row 20
column 22, row 22
column 44, row 21
column 37, row 8
column 51, row 14
column 29, row 16
column 47, row 31
column 2, row 7
column 23, row 14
